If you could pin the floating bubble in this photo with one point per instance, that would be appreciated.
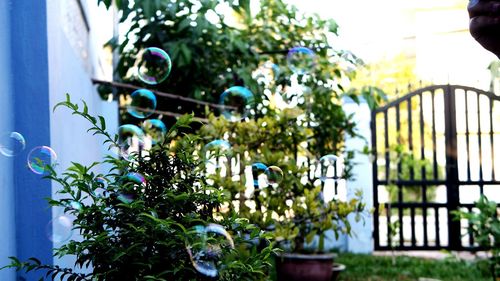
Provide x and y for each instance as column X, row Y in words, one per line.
column 100, row 190
column 135, row 178
column 267, row 73
column 155, row 129
column 274, row 175
column 60, row 229
column 143, row 103
column 130, row 140
column 301, row 60
column 330, row 167
column 39, row 158
column 74, row 205
column 154, row 66
column 101, row 182
column 213, row 150
column 236, row 103
column 258, row 169
column 12, row 144
column 126, row 198
column 207, row 249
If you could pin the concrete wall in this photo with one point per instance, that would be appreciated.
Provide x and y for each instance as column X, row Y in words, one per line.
column 71, row 67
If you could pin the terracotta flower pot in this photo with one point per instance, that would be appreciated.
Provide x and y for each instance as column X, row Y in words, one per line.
column 336, row 270
column 299, row 267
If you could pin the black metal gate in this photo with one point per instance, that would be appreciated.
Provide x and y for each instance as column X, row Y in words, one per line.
column 436, row 150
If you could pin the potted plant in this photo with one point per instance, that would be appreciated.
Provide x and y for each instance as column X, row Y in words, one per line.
column 152, row 217
column 294, row 203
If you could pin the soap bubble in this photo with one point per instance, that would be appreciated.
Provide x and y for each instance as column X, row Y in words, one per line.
column 207, row 248
column 74, row 205
column 130, row 140
column 301, row 60
column 135, row 178
column 267, row 73
column 143, row 103
column 101, row 182
column 258, row 169
column 100, row 190
column 213, row 150
column 155, row 129
column 154, row 66
column 12, row 144
column 274, row 175
column 236, row 103
column 126, row 198
column 60, row 229
column 330, row 167
column 39, row 158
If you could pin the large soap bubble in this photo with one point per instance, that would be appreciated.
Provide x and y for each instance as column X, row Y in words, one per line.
column 40, row 158
column 236, row 103
column 143, row 104
column 207, row 248
column 12, row 144
column 301, row 60
column 130, row 140
column 154, row 66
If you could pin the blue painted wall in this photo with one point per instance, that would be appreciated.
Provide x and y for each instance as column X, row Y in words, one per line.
column 7, row 226
column 29, row 68
column 38, row 66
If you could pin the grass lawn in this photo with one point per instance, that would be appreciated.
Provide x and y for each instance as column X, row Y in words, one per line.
column 375, row 268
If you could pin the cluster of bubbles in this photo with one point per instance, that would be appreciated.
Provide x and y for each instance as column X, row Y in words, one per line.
column 39, row 159
column 207, row 248
column 153, row 67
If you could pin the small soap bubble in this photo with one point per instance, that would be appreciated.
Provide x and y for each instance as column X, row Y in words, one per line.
column 258, row 172
column 101, row 182
column 39, row 158
column 213, row 150
column 74, row 205
column 236, row 103
column 135, row 178
column 154, row 66
column 207, row 248
column 130, row 140
column 100, row 188
column 267, row 73
column 126, row 198
column 143, row 103
column 60, row 229
column 155, row 129
column 274, row 175
column 330, row 167
column 12, row 144
column 301, row 60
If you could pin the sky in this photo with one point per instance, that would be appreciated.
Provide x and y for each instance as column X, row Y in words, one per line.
column 433, row 33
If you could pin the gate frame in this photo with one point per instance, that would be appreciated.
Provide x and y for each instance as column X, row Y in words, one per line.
column 451, row 182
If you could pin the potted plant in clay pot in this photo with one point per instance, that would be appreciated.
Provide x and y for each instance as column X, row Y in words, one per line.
column 275, row 181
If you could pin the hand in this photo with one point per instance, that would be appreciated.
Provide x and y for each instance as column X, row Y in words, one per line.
column 485, row 23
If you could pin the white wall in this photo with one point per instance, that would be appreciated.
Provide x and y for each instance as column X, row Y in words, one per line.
column 70, row 72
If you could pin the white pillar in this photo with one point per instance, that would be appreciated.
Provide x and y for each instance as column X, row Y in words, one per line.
column 361, row 240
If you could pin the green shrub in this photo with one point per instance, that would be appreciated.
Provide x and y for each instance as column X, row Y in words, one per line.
column 142, row 230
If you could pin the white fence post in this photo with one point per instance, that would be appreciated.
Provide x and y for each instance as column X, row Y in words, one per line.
column 361, row 240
